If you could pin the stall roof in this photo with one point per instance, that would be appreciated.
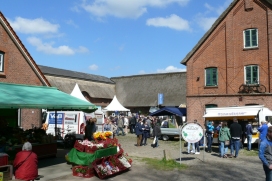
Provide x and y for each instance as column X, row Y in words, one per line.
column 170, row 111
column 14, row 96
column 242, row 112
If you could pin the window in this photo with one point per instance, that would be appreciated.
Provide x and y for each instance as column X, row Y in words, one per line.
column 211, row 77
column 1, row 62
column 251, row 74
column 210, row 105
column 250, row 38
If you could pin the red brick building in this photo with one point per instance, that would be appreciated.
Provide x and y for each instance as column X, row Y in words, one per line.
column 17, row 66
column 236, row 50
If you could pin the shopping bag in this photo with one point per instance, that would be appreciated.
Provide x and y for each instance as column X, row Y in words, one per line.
column 154, row 141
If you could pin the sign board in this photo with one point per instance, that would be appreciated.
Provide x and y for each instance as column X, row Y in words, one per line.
column 192, row 132
column 60, row 117
column 160, row 98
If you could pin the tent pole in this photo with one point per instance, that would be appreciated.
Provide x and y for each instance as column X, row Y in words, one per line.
column 56, row 123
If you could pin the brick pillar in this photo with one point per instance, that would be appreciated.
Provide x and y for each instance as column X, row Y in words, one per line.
column 248, row 5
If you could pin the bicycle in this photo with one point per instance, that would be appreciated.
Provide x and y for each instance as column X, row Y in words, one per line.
column 250, row 88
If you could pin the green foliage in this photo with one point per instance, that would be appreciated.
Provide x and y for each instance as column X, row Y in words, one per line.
column 165, row 165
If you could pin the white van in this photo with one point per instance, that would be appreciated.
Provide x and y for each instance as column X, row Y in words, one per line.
column 72, row 122
column 69, row 122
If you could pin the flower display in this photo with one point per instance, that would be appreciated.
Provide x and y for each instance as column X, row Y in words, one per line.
column 102, row 135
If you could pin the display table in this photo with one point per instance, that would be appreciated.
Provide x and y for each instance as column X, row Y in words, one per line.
column 83, row 158
column 42, row 150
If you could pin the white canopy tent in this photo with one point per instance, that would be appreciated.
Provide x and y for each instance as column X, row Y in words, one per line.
column 77, row 93
column 115, row 106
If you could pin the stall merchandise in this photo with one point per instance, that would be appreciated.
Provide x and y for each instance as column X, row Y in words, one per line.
column 12, row 140
column 104, row 156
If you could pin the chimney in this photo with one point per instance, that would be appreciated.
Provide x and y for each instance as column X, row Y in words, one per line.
column 248, row 5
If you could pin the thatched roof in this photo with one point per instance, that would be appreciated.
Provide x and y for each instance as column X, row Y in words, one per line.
column 94, row 89
column 142, row 90
column 73, row 74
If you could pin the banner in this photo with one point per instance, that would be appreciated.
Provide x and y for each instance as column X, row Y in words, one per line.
column 160, row 98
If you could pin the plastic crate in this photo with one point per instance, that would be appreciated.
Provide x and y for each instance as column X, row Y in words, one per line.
column 3, row 160
column 83, row 171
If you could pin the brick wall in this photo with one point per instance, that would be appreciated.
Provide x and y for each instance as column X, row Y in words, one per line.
column 224, row 49
column 17, row 70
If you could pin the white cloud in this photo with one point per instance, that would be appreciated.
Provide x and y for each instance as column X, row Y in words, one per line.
column 82, row 49
column 206, row 23
column 33, row 26
column 142, row 72
column 72, row 23
column 93, row 67
column 124, row 8
column 171, row 69
column 173, row 22
column 49, row 49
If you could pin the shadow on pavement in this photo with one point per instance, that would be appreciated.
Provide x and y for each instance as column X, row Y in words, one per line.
column 60, row 158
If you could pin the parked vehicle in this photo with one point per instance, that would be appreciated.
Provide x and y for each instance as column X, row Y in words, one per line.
column 169, row 133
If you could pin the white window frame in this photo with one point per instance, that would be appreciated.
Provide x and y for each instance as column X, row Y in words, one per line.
column 1, row 62
column 258, row 73
column 244, row 35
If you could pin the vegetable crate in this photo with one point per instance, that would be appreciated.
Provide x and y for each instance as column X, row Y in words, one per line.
column 111, row 165
column 83, row 171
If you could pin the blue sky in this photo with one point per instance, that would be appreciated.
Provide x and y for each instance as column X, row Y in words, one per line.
column 112, row 38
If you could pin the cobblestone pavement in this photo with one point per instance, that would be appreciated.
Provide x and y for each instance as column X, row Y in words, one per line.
column 202, row 167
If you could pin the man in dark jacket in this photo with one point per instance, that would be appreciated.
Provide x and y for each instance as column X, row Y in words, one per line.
column 235, row 133
column 249, row 133
column 132, row 123
column 139, row 132
column 157, row 134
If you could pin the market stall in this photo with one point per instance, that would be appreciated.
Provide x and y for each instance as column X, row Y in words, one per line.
column 103, row 156
column 18, row 96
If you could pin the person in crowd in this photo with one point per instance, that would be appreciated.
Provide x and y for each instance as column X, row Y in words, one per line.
column 217, row 129
column 157, row 134
column 148, row 120
column 107, row 125
column 235, row 133
column 268, row 123
column 164, row 123
column 126, row 124
column 224, row 135
column 139, row 132
column 249, row 132
column 90, row 128
column 263, row 131
column 146, row 133
column 189, row 148
column 114, row 128
column 209, row 133
column 26, row 163
column 132, row 123
column 120, row 125
column 197, row 143
column 265, row 153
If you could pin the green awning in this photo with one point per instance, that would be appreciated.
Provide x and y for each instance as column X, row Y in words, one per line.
column 14, row 96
